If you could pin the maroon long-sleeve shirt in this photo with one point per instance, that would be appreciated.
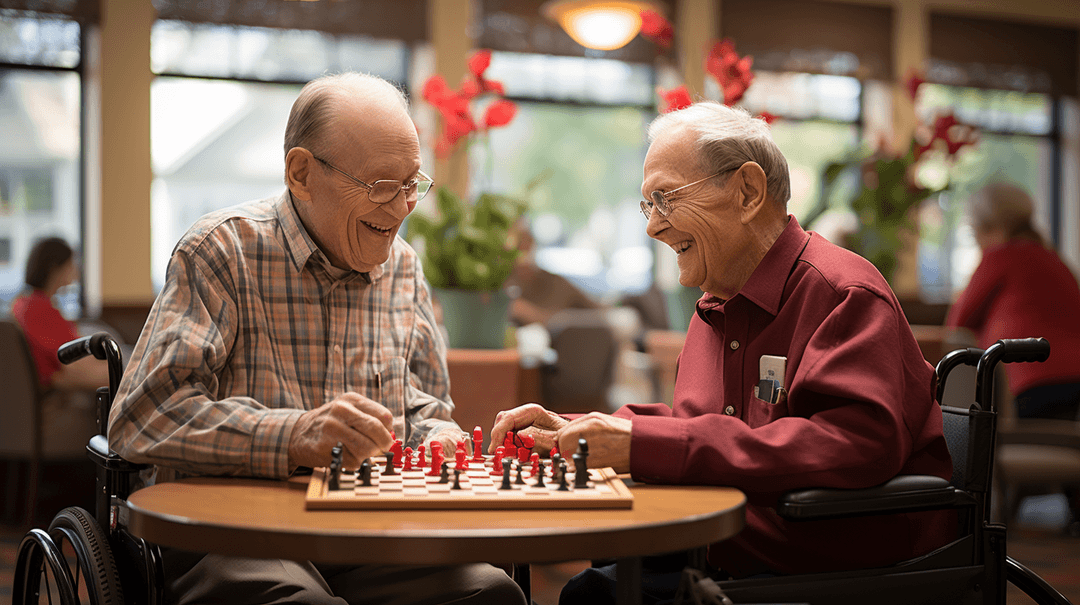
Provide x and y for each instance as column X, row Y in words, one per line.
column 859, row 410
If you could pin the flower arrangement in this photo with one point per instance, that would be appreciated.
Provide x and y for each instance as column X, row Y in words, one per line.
column 888, row 188
column 468, row 246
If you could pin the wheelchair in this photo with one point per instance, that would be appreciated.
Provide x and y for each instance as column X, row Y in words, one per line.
column 110, row 565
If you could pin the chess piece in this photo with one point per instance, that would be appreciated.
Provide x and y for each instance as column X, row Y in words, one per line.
column 556, row 458
column 534, row 460
column 563, row 487
column 389, row 470
column 444, row 473
column 365, row 473
column 581, row 465
column 461, row 461
column 478, row 444
column 497, row 461
column 336, row 454
column 506, row 477
column 519, row 480
column 457, row 479
column 408, row 459
column 539, row 473
column 421, row 461
column 396, row 449
column 436, row 458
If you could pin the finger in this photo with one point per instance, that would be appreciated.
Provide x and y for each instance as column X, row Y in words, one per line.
column 513, row 420
column 370, row 407
column 357, row 446
column 371, row 427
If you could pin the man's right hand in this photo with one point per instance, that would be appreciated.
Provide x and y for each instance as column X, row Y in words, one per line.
column 529, row 419
column 362, row 425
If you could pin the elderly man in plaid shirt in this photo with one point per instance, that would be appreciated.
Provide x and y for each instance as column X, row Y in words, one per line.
column 293, row 323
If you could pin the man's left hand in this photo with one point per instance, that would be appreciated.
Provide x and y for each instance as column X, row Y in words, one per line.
column 608, row 438
column 449, row 439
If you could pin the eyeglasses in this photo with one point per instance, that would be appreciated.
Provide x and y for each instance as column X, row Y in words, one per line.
column 384, row 191
column 661, row 200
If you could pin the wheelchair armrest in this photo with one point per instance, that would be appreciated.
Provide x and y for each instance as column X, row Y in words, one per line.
column 98, row 451
column 901, row 494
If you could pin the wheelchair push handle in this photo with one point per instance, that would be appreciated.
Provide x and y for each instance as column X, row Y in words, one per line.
column 102, row 346
column 1006, row 350
column 1022, row 349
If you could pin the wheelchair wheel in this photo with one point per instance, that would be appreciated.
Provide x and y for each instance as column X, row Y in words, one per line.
column 94, row 563
column 40, row 565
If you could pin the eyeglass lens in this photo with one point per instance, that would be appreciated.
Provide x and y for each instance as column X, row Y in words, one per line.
column 384, row 191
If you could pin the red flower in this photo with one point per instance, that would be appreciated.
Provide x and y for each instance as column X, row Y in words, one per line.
column 475, row 85
column 732, row 72
column 768, row 117
column 479, row 62
column 674, row 99
column 656, row 28
column 499, row 113
column 913, row 84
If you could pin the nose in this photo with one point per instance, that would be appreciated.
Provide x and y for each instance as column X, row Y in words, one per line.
column 657, row 223
column 401, row 204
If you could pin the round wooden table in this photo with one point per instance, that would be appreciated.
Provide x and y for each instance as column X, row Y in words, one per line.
column 262, row 518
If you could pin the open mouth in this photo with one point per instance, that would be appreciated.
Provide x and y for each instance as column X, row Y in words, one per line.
column 681, row 247
column 377, row 229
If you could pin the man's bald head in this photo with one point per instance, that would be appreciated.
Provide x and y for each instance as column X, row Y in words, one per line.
column 328, row 97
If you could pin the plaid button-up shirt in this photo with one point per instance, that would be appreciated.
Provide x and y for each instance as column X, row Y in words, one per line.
column 253, row 327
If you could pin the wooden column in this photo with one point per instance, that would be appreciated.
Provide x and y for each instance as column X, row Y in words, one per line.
column 698, row 22
column 450, row 22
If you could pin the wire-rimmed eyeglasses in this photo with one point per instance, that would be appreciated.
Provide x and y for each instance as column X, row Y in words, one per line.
column 383, row 191
column 661, row 200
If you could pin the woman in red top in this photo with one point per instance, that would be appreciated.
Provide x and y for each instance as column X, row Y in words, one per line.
column 1022, row 289
column 51, row 266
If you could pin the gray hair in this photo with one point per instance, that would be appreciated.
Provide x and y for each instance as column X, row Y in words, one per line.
column 728, row 137
column 317, row 102
column 1004, row 206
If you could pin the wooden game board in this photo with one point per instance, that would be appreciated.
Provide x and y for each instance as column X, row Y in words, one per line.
column 479, row 490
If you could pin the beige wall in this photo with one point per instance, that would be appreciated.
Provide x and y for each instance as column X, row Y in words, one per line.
column 121, row 82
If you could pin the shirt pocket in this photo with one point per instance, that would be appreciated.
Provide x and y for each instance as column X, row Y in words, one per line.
column 760, row 412
column 392, row 386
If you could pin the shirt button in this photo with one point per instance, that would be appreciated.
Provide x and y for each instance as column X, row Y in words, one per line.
column 730, row 410
column 734, row 345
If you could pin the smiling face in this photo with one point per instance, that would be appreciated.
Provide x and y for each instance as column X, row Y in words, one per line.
column 370, row 141
column 704, row 227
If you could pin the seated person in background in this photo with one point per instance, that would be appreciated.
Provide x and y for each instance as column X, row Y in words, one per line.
column 540, row 293
column 854, row 402
column 293, row 323
column 51, row 266
column 1022, row 289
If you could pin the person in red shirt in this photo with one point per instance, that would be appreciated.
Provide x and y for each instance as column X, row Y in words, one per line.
column 51, row 266
column 1022, row 289
column 850, row 403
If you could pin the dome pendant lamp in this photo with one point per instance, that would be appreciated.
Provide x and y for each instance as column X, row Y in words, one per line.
column 598, row 24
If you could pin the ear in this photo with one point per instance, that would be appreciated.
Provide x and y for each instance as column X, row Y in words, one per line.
column 298, row 166
column 753, row 191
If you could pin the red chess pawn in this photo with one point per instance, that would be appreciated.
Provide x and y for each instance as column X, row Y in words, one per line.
column 436, row 459
column 421, row 461
column 528, row 441
column 478, row 444
column 496, row 463
column 408, row 459
column 461, row 461
column 396, row 450
column 554, row 450
column 535, row 460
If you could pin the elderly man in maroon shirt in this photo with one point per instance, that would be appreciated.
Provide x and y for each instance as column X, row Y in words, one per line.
column 850, row 403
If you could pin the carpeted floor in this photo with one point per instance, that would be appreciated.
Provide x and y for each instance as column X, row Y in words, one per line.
column 1038, row 541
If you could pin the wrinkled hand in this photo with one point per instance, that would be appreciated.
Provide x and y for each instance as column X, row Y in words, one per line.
column 449, row 439
column 608, row 438
column 529, row 419
column 363, row 426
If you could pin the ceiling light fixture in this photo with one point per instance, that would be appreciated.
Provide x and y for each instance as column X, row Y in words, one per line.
column 598, row 24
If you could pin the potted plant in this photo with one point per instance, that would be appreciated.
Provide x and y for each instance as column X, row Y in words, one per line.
column 468, row 250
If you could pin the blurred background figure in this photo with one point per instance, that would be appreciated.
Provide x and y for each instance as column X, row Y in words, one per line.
column 49, row 267
column 540, row 294
column 1022, row 288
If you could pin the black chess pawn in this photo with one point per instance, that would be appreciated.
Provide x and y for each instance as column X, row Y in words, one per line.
column 555, row 466
column 519, row 480
column 581, row 465
column 540, row 474
column 444, row 472
column 563, row 487
column 389, row 470
column 365, row 472
column 334, row 481
column 457, row 479
column 506, row 476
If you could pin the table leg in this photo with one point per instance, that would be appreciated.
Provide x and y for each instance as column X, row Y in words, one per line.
column 628, row 581
column 523, row 577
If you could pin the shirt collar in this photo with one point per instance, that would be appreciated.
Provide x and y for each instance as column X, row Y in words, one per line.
column 766, row 285
column 298, row 241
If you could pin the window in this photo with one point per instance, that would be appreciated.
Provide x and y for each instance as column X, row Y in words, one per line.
column 40, row 133
column 580, row 132
column 1015, row 144
column 218, row 111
